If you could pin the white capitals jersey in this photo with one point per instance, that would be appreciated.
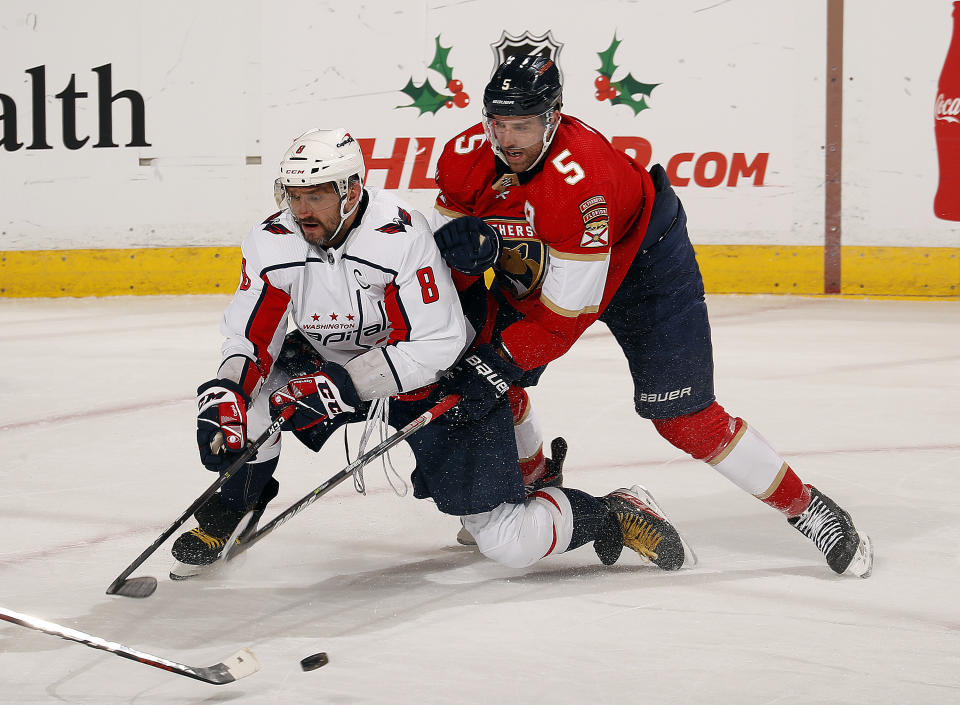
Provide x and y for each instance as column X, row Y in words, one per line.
column 383, row 301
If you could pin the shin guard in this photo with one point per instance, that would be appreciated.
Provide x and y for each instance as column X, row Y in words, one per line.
column 740, row 454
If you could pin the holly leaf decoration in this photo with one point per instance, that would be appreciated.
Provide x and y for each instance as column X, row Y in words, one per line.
column 627, row 88
column 607, row 67
column 424, row 97
column 439, row 63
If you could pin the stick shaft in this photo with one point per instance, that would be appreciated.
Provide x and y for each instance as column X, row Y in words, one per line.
column 206, row 674
column 422, row 420
column 248, row 453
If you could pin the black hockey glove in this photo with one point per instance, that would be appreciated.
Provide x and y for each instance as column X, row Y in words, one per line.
column 221, row 423
column 468, row 244
column 297, row 357
column 318, row 397
column 481, row 378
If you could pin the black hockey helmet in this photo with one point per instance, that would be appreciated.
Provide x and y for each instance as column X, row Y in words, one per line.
column 523, row 85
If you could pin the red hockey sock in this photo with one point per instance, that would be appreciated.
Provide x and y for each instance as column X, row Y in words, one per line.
column 704, row 435
column 533, row 468
column 791, row 496
column 740, row 454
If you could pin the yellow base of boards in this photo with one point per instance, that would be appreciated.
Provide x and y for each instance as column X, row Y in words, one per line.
column 901, row 272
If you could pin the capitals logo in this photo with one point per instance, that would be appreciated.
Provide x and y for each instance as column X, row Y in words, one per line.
column 272, row 225
column 398, row 225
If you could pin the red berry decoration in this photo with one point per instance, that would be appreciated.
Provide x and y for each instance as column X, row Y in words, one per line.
column 612, row 93
column 461, row 100
column 448, row 104
column 601, row 94
column 602, row 83
column 455, row 86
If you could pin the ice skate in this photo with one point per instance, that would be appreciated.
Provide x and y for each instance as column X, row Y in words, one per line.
column 832, row 531
column 465, row 538
column 196, row 551
column 552, row 477
column 637, row 522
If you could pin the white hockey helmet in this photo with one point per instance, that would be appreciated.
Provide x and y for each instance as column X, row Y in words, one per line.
column 318, row 157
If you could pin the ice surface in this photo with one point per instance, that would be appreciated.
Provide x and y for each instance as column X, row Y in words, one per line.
column 97, row 457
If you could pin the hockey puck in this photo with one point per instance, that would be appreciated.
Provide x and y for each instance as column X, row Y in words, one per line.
column 314, row 661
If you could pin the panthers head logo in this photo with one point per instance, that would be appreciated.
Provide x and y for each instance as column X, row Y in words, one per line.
column 522, row 264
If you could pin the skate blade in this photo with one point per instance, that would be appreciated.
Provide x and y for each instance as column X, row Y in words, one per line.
column 690, row 559
column 465, row 538
column 185, row 571
column 862, row 563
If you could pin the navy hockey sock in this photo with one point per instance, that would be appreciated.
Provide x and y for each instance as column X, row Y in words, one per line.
column 589, row 516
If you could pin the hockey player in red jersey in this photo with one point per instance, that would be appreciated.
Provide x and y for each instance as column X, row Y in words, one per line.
column 377, row 318
column 578, row 232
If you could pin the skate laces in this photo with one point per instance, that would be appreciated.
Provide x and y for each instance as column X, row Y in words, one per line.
column 210, row 541
column 377, row 418
column 639, row 535
column 821, row 525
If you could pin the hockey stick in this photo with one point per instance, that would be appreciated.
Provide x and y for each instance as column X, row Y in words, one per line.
column 237, row 666
column 422, row 420
column 146, row 585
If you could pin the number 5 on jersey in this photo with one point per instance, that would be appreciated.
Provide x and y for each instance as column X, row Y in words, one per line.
column 574, row 170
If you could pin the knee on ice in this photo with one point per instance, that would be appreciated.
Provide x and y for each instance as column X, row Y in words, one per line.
column 514, row 535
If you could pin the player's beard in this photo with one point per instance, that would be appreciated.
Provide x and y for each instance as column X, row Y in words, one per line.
column 321, row 234
column 519, row 159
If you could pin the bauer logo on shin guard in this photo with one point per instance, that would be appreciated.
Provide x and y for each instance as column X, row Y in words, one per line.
column 487, row 372
column 664, row 396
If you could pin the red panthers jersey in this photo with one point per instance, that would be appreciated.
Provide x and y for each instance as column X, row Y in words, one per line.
column 571, row 227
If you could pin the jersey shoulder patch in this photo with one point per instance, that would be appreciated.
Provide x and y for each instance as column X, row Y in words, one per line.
column 398, row 224
column 273, row 225
column 596, row 222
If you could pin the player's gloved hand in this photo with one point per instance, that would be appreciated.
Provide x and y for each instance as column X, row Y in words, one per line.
column 221, row 423
column 481, row 378
column 316, row 397
column 468, row 244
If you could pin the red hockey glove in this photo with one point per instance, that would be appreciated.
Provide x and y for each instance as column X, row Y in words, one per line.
column 317, row 397
column 221, row 423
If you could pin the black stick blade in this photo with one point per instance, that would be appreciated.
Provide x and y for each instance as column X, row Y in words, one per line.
column 134, row 587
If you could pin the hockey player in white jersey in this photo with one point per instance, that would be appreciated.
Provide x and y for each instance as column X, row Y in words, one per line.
column 376, row 315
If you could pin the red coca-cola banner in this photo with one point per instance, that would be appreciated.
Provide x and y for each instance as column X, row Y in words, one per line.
column 946, row 204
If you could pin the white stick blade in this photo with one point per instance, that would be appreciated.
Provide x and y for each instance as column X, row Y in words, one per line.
column 241, row 664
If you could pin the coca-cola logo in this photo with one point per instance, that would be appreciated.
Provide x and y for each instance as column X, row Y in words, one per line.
column 948, row 109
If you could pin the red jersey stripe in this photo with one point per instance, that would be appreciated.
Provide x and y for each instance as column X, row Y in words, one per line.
column 396, row 314
column 264, row 322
